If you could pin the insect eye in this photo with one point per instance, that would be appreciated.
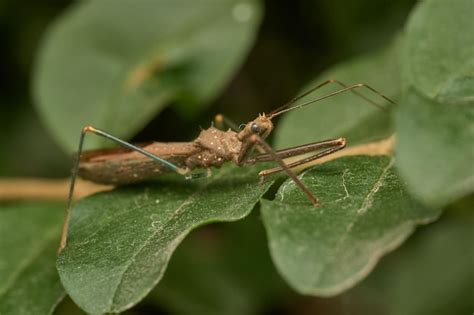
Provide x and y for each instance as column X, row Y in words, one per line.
column 255, row 128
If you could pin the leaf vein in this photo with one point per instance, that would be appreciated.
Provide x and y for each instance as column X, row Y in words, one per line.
column 154, row 233
column 368, row 201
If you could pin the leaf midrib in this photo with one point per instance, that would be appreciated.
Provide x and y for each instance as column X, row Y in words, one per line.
column 155, row 232
column 358, row 214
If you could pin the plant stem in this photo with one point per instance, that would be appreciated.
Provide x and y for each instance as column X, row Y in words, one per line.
column 45, row 189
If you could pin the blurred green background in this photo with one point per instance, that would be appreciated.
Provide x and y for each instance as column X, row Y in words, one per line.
column 296, row 41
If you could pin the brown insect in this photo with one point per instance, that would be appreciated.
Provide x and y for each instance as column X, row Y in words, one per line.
column 211, row 148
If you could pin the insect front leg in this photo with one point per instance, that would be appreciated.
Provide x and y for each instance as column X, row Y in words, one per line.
column 328, row 146
column 284, row 167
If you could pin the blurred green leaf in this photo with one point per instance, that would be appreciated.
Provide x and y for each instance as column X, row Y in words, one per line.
column 29, row 234
column 435, row 148
column 222, row 270
column 115, row 64
column 435, row 122
column 346, row 115
column 120, row 242
column 431, row 274
column 439, row 49
column 365, row 213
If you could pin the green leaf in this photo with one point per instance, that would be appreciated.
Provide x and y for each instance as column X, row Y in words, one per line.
column 431, row 274
column 116, row 64
column 29, row 234
column 439, row 50
column 435, row 121
column 365, row 213
column 346, row 115
column 434, row 148
column 223, row 269
column 120, row 242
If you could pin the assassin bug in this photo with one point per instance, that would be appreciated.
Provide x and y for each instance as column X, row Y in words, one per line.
column 211, row 148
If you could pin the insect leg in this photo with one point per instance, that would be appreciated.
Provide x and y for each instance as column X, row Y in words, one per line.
column 99, row 132
column 265, row 146
column 298, row 150
column 330, row 146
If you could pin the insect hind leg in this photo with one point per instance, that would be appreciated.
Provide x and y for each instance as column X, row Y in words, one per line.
column 89, row 129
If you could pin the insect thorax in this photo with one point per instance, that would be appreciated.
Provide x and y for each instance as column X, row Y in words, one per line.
column 217, row 147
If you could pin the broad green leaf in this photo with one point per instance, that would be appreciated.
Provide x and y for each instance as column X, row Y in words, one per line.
column 223, row 269
column 115, row 64
column 29, row 234
column 120, row 242
column 435, row 148
column 438, row 57
column 435, row 122
column 365, row 213
column 346, row 115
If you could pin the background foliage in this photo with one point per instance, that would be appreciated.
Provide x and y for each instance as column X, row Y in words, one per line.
column 187, row 70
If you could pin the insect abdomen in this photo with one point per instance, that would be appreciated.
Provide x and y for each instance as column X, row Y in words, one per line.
column 119, row 166
column 121, row 172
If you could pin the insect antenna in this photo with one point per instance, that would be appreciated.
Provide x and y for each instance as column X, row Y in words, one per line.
column 288, row 106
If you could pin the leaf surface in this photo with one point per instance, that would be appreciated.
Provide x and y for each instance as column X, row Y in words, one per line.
column 435, row 121
column 29, row 234
column 222, row 269
column 409, row 282
column 438, row 57
column 365, row 213
column 116, row 64
column 435, row 148
column 121, row 241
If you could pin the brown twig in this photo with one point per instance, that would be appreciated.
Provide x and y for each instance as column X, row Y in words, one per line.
column 45, row 189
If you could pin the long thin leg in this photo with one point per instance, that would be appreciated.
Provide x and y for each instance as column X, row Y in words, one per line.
column 67, row 215
column 291, row 174
column 287, row 107
column 99, row 132
column 335, row 145
column 298, row 150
